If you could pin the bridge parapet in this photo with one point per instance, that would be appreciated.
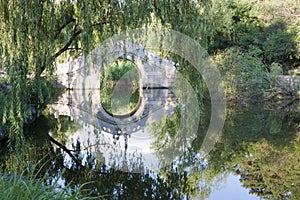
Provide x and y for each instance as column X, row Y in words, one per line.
column 84, row 72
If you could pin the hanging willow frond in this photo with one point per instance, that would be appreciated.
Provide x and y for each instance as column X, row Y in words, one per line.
column 34, row 34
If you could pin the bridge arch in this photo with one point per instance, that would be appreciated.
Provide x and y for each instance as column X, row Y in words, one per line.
column 82, row 75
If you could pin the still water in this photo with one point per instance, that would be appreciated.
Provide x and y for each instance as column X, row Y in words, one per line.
column 257, row 156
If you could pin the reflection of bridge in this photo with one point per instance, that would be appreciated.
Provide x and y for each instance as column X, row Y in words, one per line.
column 82, row 102
column 157, row 104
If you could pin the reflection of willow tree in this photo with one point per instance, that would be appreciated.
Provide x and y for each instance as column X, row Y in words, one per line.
column 37, row 151
column 105, row 178
column 166, row 132
column 174, row 134
column 60, row 126
column 261, row 146
column 118, row 184
column 178, row 151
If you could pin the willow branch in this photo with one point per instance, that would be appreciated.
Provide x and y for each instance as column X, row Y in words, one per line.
column 68, row 44
column 59, row 30
column 68, row 151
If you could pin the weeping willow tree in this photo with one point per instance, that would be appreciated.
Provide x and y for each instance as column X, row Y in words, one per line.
column 34, row 34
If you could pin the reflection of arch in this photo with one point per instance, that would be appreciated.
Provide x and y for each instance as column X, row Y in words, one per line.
column 132, row 112
column 99, row 121
column 153, row 104
column 124, row 124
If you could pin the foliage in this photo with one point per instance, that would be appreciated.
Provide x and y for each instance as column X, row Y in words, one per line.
column 259, row 145
column 35, row 34
column 1, row 102
column 58, row 127
column 244, row 75
column 279, row 45
column 116, row 70
column 272, row 40
column 285, row 10
column 262, row 147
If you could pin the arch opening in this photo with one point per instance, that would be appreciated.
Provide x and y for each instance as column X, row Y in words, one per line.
column 120, row 88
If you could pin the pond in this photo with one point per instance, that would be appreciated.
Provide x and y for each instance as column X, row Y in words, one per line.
column 256, row 156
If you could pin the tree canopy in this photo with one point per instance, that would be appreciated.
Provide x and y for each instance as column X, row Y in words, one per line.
column 36, row 34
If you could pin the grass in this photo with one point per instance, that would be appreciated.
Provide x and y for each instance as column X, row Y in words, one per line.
column 30, row 187
column 17, row 187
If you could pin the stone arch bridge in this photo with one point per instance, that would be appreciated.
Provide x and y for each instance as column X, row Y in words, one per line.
column 82, row 78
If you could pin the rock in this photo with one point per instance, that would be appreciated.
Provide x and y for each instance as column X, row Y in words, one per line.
column 3, row 74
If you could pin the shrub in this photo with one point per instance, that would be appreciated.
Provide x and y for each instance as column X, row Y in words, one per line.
column 243, row 73
column 273, row 36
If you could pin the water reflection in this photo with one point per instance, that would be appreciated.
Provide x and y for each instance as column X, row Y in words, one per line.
column 110, row 135
column 260, row 147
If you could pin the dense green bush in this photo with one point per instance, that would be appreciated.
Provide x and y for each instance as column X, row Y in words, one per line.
column 274, row 38
column 279, row 44
column 244, row 74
